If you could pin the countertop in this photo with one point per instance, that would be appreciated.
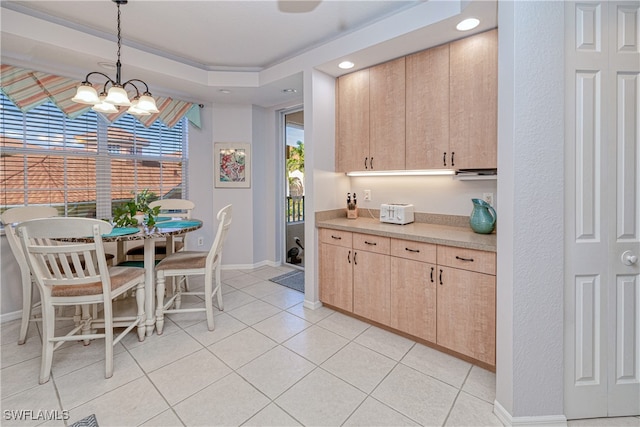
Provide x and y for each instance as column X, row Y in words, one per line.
column 462, row 237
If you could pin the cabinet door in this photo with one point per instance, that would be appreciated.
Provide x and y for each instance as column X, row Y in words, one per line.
column 387, row 116
column 371, row 286
column 467, row 313
column 427, row 139
column 336, row 276
column 352, row 121
column 474, row 101
column 413, row 298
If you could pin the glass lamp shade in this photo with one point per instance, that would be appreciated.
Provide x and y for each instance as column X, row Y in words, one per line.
column 118, row 96
column 104, row 107
column 147, row 103
column 135, row 110
column 86, row 94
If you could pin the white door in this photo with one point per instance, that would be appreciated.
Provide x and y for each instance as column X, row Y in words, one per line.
column 602, row 209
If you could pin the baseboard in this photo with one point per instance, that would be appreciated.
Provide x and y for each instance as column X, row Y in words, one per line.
column 545, row 420
column 250, row 266
column 311, row 305
column 8, row 317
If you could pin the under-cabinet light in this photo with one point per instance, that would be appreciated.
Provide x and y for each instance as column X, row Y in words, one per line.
column 421, row 172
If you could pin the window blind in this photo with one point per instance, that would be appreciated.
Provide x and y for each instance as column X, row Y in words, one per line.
column 85, row 166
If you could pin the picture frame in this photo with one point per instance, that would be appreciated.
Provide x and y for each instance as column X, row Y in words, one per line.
column 232, row 165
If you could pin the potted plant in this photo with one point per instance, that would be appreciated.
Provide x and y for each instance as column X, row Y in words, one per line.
column 136, row 211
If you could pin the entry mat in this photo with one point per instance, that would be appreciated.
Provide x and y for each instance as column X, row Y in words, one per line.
column 292, row 279
column 89, row 421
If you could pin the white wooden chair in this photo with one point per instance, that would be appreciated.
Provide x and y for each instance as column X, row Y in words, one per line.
column 191, row 263
column 176, row 208
column 77, row 274
column 10, row 218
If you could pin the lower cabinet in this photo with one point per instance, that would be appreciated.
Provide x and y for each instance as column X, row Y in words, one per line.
column 466, row 313
column 441, row 294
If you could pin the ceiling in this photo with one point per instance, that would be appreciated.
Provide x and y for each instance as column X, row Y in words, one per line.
column 251, row 49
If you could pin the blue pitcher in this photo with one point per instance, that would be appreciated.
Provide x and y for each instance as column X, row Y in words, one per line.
column 483, row 217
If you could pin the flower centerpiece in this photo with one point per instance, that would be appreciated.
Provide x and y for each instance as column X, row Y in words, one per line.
column 137, row 211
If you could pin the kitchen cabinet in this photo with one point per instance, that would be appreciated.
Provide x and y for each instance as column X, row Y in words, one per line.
column 442, row 294
column 336, row 273
column 371, row 281
column 370, row 118
column 413, row 288
column 387, row 116
column 473, row 106
column 427, row 109
column 466, row 307
column 352, row 121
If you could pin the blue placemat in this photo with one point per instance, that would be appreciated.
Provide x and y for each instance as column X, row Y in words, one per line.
column 163, row 219
column 178, row 224
column 122, row 231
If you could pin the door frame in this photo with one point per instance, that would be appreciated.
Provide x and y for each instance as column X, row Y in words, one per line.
column 281, row 177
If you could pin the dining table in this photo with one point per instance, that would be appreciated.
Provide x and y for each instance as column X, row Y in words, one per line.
column 165, row 227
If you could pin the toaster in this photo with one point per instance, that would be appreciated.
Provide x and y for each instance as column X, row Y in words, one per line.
column 396, row 213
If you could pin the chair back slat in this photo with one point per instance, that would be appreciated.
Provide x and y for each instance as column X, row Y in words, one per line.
column 224, row 223
column 180, row 208
column 66, row 264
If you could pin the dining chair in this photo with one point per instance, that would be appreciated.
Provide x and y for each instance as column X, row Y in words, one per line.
column 175, row 208
column 193, row 263
column 76, row 273
column 10, row 218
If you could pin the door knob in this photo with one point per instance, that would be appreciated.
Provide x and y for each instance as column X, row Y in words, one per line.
column 628, row 258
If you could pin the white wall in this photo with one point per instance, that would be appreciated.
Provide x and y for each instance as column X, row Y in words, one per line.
column 431, row 194
column 530, row 189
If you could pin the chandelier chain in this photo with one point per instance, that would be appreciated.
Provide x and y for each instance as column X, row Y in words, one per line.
column 119, row 39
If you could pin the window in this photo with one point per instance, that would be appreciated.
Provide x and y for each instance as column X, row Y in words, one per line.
column 85, row 166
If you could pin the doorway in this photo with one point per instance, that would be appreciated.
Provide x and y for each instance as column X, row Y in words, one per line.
column 294, row 212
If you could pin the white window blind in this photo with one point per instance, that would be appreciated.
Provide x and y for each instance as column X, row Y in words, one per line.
column 85, row 166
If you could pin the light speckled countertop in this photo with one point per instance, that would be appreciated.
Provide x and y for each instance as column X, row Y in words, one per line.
column 462, row 237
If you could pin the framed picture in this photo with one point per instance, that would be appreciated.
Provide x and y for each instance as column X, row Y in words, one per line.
column 232, row 163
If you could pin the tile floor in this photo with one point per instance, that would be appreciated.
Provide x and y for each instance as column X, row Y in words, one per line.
column 269, row 362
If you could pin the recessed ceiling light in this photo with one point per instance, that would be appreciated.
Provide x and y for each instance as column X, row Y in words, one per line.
column 289, row 90
column 345, row 65
column 468, row 24
column 225, row 91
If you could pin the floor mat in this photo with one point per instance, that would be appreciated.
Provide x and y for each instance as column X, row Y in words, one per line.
column 292, row 279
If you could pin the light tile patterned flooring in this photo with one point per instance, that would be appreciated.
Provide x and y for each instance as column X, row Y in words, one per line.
column 269, row 362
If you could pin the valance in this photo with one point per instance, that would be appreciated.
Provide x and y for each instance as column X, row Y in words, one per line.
column 29, row 89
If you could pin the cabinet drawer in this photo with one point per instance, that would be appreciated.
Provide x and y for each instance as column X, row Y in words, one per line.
column 467, row 259
column 417, row 251
column 335, row 237
column 371, row 243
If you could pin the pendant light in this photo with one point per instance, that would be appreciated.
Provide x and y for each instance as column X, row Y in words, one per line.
column 116, row 96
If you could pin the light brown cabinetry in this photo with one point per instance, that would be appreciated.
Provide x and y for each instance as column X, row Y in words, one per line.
column 442, row 294
column 371, row 281
column 370, row 118
column 466, row 290
column 433, row 109
column 352, row 121
column 387, row 116
column 473, row 101
column 336, row 273
column 427, row 109
column 413, row 288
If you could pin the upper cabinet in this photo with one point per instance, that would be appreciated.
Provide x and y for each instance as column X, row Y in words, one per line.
column 473, row 111
column 387, row 116
column 432, row 109
column 427, row 141
column 371, row 118
column 352, row 121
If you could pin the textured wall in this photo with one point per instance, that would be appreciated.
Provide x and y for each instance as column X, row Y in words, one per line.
column 530, row 253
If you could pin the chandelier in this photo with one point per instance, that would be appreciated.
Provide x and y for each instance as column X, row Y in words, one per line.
column 108, row 101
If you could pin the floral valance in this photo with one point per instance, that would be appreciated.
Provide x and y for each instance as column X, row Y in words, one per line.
column 29, row 89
